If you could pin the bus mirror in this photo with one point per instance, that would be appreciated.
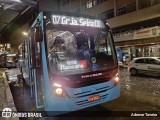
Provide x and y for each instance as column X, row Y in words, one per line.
column 38, row 34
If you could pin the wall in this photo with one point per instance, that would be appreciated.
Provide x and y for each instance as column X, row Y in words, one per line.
column 48, row 5
column 136, row 16
column 100, row 8
column 123, row 2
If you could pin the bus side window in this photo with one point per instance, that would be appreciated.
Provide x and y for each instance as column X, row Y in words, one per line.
column 35, row 51
column 32, row 49
column 38, row 55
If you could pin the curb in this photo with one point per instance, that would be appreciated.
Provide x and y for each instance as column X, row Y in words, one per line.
column 7, row 98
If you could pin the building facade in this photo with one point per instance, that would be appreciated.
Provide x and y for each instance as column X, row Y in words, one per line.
column 135, row 23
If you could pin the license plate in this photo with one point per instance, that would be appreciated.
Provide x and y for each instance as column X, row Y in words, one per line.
column 94, row 98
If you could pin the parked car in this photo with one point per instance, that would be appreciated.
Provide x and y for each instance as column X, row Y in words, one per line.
column 145, row 65
column 11, row 60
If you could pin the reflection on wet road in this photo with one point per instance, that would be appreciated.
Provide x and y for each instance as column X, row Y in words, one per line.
column 141, row 83
column 142, row 88
column 138, row 93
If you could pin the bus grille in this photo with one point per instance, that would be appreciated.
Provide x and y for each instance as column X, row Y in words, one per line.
column 82, row 98
column 92, row 92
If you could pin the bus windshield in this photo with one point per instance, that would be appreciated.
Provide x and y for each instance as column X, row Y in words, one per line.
column 72, row 52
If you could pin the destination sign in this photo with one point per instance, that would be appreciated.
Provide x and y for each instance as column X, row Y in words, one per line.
column 76, row 21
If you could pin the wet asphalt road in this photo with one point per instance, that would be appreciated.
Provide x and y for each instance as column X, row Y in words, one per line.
column 138, row 93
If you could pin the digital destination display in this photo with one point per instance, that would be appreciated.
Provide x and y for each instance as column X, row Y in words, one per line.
column 68, row 65
column 77, row 21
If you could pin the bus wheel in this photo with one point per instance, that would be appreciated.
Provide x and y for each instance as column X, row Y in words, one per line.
column 133, row 71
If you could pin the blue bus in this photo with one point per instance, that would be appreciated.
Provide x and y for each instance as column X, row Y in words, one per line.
column 69, row 62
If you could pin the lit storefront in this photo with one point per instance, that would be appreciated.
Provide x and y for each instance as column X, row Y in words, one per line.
column 139, row 43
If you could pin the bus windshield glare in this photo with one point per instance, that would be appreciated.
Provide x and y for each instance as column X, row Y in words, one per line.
column 76, row 52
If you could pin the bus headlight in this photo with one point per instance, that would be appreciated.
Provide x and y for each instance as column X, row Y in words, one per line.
column 116, row 79
column 59, row 91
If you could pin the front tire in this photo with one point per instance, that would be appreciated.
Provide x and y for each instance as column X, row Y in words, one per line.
column 133, row 71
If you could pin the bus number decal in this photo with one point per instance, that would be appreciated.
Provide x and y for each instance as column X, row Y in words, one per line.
column 77, row 91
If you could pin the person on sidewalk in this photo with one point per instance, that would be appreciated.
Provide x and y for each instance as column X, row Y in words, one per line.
column 124, row 60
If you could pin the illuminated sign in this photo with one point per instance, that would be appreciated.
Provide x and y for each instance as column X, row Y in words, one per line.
column 76, row 21
column 72, row 65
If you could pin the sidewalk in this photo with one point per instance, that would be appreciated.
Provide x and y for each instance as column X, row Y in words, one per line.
column 6, row 99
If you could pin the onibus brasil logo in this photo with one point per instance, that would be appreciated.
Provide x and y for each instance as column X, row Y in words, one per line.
column 7, row 113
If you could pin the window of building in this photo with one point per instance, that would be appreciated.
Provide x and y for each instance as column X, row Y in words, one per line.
column 107, row 15
column 89, row 4
column 64, row 2
column 84, row 6
column 154, row 2
column 131, row 7
column 144, row 3
column 100, row 1
column 94, row 2
column 110, row 14
column 121, row 10
column 78, row 10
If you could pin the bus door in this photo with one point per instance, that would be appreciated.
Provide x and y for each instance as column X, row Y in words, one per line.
column 35, row 69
